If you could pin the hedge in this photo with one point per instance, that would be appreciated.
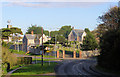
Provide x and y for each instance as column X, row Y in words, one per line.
column 24, row 60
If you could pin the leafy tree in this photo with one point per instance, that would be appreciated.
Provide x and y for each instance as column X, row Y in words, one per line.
column 54, row 33
column 7, row 31
column 89, row 43
column 111, row 18
column 37, row 30
column 109, row 55
column 61, row 35
column 109, row 41
column 61, row 39
column 46, row 32
column 65, row 31
column 87, row 30
column 15, row 30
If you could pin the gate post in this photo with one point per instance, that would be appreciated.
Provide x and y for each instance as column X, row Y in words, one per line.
column 80, row 54
column 63, row 53
column 58, row 54
column 15, row 46
column 74, row 53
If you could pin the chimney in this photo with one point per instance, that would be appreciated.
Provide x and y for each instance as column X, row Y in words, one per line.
column 32, row 32
column 72, row 28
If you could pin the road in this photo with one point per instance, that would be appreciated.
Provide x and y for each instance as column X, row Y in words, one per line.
column 77, row 68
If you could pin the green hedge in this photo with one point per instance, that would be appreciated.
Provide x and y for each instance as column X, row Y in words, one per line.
column 24, row 60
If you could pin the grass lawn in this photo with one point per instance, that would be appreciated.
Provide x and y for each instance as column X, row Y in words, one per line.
column 16, row 51
column 46, row 59
column 14, row 67
column 35, row 69
column 46, row 56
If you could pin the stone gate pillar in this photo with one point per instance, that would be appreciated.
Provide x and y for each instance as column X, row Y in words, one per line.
column 74, row 54
column 80, row 54
column 58, row 54
column 63, row 53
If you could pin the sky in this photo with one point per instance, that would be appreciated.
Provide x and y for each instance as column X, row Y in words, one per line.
column 53, row 15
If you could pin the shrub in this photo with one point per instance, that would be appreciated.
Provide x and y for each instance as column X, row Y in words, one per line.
column 8, row 59
column 24, row 60
column 4, row 44
column 7, row 56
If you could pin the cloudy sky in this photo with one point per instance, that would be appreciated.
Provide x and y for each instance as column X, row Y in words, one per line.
column 53, row 15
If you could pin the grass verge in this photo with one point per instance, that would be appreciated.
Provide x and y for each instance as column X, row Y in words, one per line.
column 17, row 52
column 35, row 69
column 14, row 67
column 46, row 59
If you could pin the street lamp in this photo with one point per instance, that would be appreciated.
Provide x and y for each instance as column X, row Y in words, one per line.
column 42, row 46
column 49, row 47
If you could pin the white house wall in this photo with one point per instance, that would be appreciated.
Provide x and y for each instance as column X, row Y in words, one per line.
column 83, row 35
column 45, row 39
column 30, row 41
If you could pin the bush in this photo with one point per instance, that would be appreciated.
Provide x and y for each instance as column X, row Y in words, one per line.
column 5, row 67
column 4, row 44
column 8, row 57
column 24, row 60
column 8, row 60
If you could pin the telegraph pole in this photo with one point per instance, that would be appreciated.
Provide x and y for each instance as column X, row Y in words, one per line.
column 119, row 14
column 42, row 46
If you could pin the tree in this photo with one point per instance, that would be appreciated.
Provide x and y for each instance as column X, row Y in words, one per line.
column 54, row 33
column 111, row 18
column 89, row 43
column 61, row 35
column 65, row 31
column 7, row 31
column 109, row 41
column 37, row 30
column 61, row 39
column 15, row 30
column 87, row 30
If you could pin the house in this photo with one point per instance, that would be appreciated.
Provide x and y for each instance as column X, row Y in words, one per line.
column 76, row 35
column 32, row 40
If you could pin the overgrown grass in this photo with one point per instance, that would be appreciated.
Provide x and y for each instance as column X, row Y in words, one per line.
column 35, row 69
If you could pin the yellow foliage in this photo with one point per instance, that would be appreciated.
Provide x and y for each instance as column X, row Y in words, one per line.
column 9, row 57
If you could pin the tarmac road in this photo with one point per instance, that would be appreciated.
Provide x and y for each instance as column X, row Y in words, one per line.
column 79, row 68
